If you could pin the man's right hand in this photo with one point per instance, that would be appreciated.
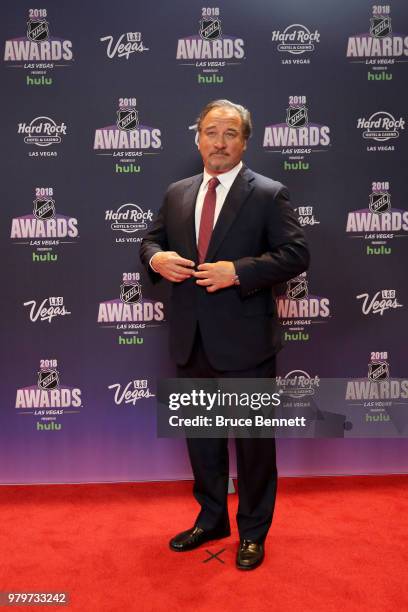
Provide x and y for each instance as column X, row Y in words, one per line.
column 172, row 266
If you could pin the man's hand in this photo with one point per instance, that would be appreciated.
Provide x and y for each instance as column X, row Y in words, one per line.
column 216, row 275
column 172, row 266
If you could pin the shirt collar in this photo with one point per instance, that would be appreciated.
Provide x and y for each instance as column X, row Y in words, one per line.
column 226, row 178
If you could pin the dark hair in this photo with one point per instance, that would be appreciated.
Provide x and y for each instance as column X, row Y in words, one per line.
column 243, row 112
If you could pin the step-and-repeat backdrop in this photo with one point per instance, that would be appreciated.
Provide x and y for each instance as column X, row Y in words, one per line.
column 99, row 105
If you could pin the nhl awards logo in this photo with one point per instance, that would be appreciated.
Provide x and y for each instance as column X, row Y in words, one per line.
column 44, row 208
column 48, row 399
column 298, row 310
column 380, row 26
column 48, row 379
column 297, row 138
column 210, row 49
column 127, row 119
column 129, row 219
column 130, row 293
column 381, row 126
column 296, row 40
column 379, row 47
column 39, row 53
column 131, row 314
column 127, row 139
column 296, row 116
column 37, row 30
column 378, row 370
column 210, row 28
column 379, row 395
column 379, row 225
column 296, row 289
column 379, row 203
column 44, row 229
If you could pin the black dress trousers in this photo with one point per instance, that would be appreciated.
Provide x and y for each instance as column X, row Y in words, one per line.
column 256, row 462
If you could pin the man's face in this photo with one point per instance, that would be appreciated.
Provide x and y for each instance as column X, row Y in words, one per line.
column 220, row 140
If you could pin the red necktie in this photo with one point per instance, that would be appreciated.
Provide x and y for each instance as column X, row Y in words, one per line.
column 207, row 219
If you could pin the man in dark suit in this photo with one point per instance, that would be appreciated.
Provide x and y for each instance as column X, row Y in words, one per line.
column 224, row 238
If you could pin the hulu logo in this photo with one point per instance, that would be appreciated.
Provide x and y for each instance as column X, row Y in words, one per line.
column 132, row 340
column 48, row 426
column 42, row 80
column 295, row 337
column 296, row 165
column 126, row 169
column 382, row 250
column 203, row 79
column 44, row 257
column 379, row 76
column 377, row 418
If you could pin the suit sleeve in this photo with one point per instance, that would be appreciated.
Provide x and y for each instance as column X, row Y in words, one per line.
column 287, row 254
column 155, row 241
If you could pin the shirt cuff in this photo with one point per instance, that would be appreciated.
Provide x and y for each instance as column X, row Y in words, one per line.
column 150, row 262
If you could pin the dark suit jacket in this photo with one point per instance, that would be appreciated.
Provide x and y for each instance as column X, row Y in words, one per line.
column 258, row 231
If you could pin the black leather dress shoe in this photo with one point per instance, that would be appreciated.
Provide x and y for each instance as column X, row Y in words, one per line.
column 250, row 555
column 192, row 538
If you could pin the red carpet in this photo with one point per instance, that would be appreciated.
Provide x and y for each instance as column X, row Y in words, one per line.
column 337, row 544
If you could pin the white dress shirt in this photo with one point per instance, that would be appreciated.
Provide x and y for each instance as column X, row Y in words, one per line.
column 226, row 179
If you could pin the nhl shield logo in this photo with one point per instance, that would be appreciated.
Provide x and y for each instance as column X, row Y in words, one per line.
column 379, row 202
column 210, row 29
column 37, row 30
column 296, row 116
column 297, row 289
column 48, row 379
column 130, row 293
column 127, row 119
column 380, row 27
column 44, row 209
column 378, row 371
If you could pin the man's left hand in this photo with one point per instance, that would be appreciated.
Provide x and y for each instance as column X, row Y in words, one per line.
column 215, row 276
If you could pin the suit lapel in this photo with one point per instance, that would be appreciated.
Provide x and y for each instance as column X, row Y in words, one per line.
column 237, row 195
column 187, row 223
